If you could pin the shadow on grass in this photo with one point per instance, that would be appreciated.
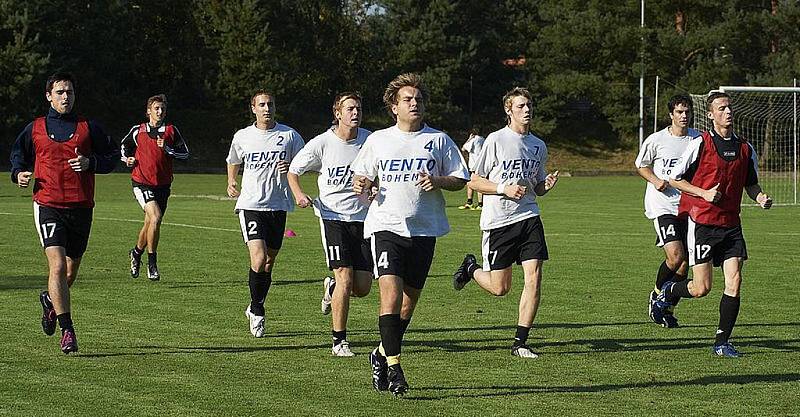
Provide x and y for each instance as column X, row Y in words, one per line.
column 236, row 282
column 25, row 282
column 514, row 390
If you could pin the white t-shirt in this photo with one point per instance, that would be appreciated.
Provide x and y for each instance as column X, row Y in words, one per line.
column 394, row 159
column 331, row 156
column 510, row 158
column 258, row 151
column 662, row 151
column 473, row 148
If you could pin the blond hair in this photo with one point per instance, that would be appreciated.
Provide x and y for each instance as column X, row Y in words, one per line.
column 408, row 79
column 514, row 92
column 338, row 102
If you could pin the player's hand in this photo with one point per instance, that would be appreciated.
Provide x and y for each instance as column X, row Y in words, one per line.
column 426, row 181
column 283, row 166
column 712, row 195
column 160, row 142
column 550, row 181
column 663, row 186
column 514, row 191
column 764, row 201
column 79, row 163
column 24, row 178
column 359, row 184
column 232, row 191
column 304, row 200
column 130, row 161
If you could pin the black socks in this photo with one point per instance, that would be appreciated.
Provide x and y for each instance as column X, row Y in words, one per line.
column 259, row 287
column 728, row 312
column 391, row 328
column 521, row 337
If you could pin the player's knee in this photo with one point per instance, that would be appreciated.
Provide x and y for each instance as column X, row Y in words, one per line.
column 71, row 276
column 154, row 220
column 675, row 259
column 701, row 289
column 501, row 289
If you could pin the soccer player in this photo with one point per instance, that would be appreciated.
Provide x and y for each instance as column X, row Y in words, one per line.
column 341, row 212
column 473, row 148
column 712, row 174
column 149, row 149
column 61, row 152
column 264, row 151
column 412, row 163
column 510, row 172
column 658, row 156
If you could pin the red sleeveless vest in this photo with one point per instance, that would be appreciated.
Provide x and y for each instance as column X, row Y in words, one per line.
column 57, row 185
column 731, row 177
column 153, row 166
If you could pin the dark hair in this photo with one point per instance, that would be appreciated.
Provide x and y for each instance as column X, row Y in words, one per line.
column 680, row 99
column 158, row 98
column 474, row 131
column 713, row 96
column 59, row 76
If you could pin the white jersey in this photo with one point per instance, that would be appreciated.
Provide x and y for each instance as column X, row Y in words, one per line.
column 394, row 159
column 510, row 158
column 258, row 151
column 662, row 151
column 331, row 157
column 473, row 148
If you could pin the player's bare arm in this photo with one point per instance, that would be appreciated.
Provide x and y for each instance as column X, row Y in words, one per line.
column 712, row 195
column 549, row 182
column 300, row 197
column 759, row 196
column 283, row 166
column 484, row 186
column 650, row 176
column 233, row 171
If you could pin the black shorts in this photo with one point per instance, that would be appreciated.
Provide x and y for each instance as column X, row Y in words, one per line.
column 268, row 226
column 65, row 227
column 407, row 257
column 145, row 194
column 669, row 228
column 714, row 243
column 517, row 242
column 345, row 246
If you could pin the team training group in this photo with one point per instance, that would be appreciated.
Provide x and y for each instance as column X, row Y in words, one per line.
column 381, row 207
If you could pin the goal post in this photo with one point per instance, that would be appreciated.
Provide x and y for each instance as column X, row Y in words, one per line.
column 767, row 118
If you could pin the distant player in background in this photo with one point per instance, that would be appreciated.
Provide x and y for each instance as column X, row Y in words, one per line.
column 473, row 147
column 658, row 156
column 412, row 163
column 149, row 149
column 712, row 174
column 263, row 150
column 61, row 152
column 341, row 212
column 510, row 171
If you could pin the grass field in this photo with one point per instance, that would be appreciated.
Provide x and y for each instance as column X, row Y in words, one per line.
column 181, row 347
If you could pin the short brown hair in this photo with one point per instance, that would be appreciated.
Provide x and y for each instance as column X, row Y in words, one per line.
column 158, row 98
column 713, row 96
column 260, row 93
column 340, row 99
column 408, row 79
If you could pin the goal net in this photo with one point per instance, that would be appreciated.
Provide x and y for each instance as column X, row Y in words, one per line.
column 767, row 118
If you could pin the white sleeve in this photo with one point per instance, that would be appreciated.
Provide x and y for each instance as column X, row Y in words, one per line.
column 542, row 174
column 486, row 160
column 468, row 145
column 296, row 145
column 364, row 164
column 309, row 158
column 647, row 153
column 234, row 154
column 688, row 158
column 453, row 164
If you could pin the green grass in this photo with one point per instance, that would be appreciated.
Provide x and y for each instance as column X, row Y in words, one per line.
column 182, row 347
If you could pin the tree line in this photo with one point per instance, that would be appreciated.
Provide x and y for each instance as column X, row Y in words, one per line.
column 581, row 59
